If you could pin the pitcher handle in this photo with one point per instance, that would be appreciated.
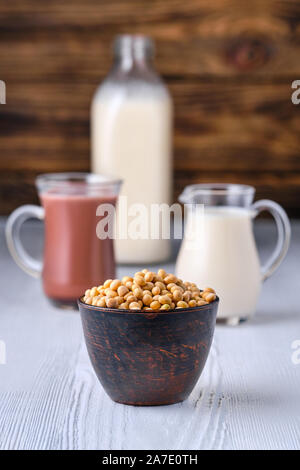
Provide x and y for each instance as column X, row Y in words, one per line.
column 26, row 262
column 284, row 235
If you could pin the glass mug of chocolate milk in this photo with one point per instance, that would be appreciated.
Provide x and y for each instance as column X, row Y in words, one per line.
column 74, row 257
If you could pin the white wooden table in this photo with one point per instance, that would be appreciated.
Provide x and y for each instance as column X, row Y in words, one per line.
column 247, row 398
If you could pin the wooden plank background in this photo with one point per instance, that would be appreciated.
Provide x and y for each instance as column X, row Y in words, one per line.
column 228, row 63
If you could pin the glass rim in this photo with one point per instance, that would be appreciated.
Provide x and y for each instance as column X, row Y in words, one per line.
column 218, row 189
column 63, row 178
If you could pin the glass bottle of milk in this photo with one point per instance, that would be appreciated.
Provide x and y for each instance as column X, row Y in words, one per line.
column 131, row 124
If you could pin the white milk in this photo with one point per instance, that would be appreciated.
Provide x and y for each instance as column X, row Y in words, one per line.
column 131, row 139
column 223, row 255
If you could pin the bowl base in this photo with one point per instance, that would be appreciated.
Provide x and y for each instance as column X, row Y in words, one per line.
column 148, row 404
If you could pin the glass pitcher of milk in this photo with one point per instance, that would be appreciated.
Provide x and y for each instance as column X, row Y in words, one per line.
column 131, row 124
column 223, row 253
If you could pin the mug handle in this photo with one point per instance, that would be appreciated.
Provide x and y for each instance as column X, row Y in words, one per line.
column 284, row 234
column 26, row 262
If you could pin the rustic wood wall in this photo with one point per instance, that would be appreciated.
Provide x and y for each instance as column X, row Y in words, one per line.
column 229, row 65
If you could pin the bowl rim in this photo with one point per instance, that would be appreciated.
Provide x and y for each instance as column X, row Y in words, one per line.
column 145, row 312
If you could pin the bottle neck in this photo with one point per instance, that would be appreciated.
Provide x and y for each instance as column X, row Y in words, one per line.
column 133, row 51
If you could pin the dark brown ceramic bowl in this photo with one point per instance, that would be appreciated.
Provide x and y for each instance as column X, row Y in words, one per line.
column 144, row 358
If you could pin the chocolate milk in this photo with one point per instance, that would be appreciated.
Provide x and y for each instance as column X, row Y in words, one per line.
column 74, row 257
